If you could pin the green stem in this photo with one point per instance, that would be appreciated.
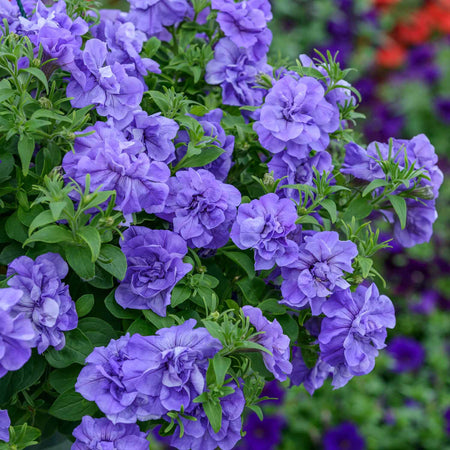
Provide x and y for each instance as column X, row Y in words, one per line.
column 22, row 11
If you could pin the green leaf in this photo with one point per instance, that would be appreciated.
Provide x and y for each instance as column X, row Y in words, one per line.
column 57, row 208
column 71, row 406
column 374, row 184
column 113, row 261
column 290, row 327
column 141, row 326
column 42, row 219
column 359, row 208
column 221, row 366
column 91, row 236
column 64, row 379
column 365, row 264
column 272, row 306
column 330, row 206
column 180, row 294
column 257, row 409
column 37, row 73
column 213, row 411
column 84, row 305
column 15, row 229
column 207, row 155
column 98, row 331
column 25, row 148
column 117, row 311
column 253, row 289
column 243, row 261
column 307, row 219
column 79, row 259
column 158, row 321
column 77, row 348
column 51, row 235
column 399, row 205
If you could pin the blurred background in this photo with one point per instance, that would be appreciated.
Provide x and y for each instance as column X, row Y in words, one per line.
column 401, row 49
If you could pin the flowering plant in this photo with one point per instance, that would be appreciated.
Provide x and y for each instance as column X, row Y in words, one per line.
column 176, row 214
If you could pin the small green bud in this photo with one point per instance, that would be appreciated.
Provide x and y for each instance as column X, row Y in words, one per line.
column 45, row 102
column 36, row 62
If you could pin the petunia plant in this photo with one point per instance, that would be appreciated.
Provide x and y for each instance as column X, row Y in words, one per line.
column 183, row 221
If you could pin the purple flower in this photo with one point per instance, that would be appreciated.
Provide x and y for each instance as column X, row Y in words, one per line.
column 199, row 435
column 210, row 123
column 155, row 133
column 103, row 434
column 102, row 381
column 115, row 164
column 46, row 300
column 170, row 367
column 17, row 334
column 354, row 328
column 155, row 265
column 236, row 72
column 264, row 225
column 5, row 423
column 201, row 208
column 152, row 16
column 108, row 88
column 345, row 435
column 273, row 339
column 245, row 23
column 263, row 434
column 443, row 109
column 273, row 389
column 447, row 421
column 408, row 354
column 297, row 117
column 427, row 303
column 318, row 271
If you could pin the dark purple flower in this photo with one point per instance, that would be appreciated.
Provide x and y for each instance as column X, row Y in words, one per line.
column 354, row 328
column 107, row 87
column 5, row 423
column 427, row 303
column 101, row 434
column 201, row 208
column 116, row 164
column 384, row 122
column 210, row 123
column 245, row 23
column 263, row 434
column 236, row 72
column 170, row 367
column 273, row 339
column 275, row 391
column 264, row 224
column 297, row 117
column 17, row 334
column 199, row 435
column 447, row 421
column 408, row 354
column 443, row 109
column 343, row 436
column 152, row 16
column 102, row 381
column 155, row 265
column 318, row 271
column 46, row 300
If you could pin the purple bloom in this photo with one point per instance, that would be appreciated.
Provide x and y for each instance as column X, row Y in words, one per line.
column 354, row 328
column 5, row 423
column 210, row 123
column 296, row 116
column 263, row 434
column 359, row 163
column 408, row 354
column 318, row 271
column 443, row 109
column 199, row 435
column 46, row 300
column 17, row 334
column 273, row 389
column 383, row 123
column 236, row 72
column 201, row 208
column 102, row 381
column 447, row 421
column 427, row 303
column 115, row 164
column 264, row 225
column 273, row 339
column 245, row 23
column 170, row 367
column 102, row 434
column 108, row 88
column 345, row 435
column 155, row 265
column 152, row 16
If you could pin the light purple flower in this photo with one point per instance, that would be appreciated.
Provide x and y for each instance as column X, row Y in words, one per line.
column 170, row 367
column 116, row 164
column 264, row 224
column 273, row 339
column 46, row 299
column 201, row 208
column 17, row 334
column 318, row 271
column 102, row 381
column 297, row 117
column 199, row 435
column 102, row 434
column 5, row 423
column 107, row 87
column 354, row 328
column 155, row 265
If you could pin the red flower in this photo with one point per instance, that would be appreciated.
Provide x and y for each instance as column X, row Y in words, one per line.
column 415, row 29
column 439, row 15
column 391, row 55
